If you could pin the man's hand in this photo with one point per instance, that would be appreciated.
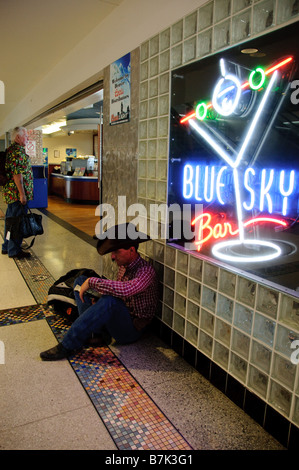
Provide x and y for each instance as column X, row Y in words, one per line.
column 84, row 288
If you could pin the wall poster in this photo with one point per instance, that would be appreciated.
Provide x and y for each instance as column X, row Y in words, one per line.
column 120, row 90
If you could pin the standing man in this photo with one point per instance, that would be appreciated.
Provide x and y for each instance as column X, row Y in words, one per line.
column 125, row 308
column 18, row 190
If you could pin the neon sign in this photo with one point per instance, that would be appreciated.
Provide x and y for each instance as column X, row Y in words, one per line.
column 263, row 190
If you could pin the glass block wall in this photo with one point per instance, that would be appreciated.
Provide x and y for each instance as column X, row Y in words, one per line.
column 243, row 325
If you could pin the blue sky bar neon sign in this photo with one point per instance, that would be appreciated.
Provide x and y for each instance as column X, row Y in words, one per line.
column 262, row 190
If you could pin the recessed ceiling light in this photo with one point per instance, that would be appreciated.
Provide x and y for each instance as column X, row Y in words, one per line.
column 249, row 51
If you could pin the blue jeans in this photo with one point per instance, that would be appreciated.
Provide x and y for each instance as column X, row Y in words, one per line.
column 13, row 246
column 108, row 313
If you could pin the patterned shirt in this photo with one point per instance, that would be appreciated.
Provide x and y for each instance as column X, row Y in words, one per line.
column 17, row 162
column 137, row 286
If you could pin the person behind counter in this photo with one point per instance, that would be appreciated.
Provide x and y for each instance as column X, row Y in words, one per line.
column 18, row 190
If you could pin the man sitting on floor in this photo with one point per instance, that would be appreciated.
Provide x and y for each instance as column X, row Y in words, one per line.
column 126, row 306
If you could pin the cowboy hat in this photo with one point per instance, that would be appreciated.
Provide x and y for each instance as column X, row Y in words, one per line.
column 120, row 236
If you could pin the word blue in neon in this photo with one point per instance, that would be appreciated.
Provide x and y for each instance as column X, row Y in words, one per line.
column 266, row 189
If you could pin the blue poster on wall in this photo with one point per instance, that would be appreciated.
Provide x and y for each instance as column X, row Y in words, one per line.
column 120, row 90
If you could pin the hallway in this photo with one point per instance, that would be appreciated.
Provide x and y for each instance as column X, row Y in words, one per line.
column 141, row 396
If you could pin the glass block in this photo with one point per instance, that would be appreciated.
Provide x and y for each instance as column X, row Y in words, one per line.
column 141, row 188
column 162, row 170
column 189, row 50
column 239, row 5
column 280, row 398
column 222, row 9
column 169, row 276
column 164, row 63
column 243, row 318
column 240, row 343
column 159, row 252
column 162, row 148
column 205, row 16
column 152, row 128
column 205, row 343
column 168, row 297
column 191, row 333
column 178, row 324
column 163, row 105
column 284, row 339
column 221, row 35
column 193, row 312
column 165, row 40
column 144, row 52
column 289, row 312
column 286, row 10
column 163, row 127
column 142, row 149
column 246, row 291
column 208, row 298
column 167, row 315
column 176, row 57
column 143, row 130
column 153, row 87
column 221, row 354
column 143, row 91
column 194, row 290
column 267, row 301
column 260, row 356
column 151, row 189
column 195, row 269
column 164, row 83
column 181, row 284
column 180, row 304
column 161, row 191
column 227, row 282
column 225, row 308
column 143, row 110
column 284, row 371
column 141, row 168
column 151, row 169
column 296, row 411
column 222, row 331
column 177, row 32
column 190, row 25
column 154, row 45
column 241, row 26
column 210, row 275
column 182, row 262
column 153, row 107
column 264, row 329
column 238, row 367
column 144, row 71
column 204, row 43
column 207, row 321
column 152, row 149
column 258, row 381
column 170, row 256
column 263, row 16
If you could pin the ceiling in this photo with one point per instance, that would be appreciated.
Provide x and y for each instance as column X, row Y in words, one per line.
column 36, row 34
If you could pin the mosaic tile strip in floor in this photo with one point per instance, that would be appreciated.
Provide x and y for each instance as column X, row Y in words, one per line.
column 133, row 420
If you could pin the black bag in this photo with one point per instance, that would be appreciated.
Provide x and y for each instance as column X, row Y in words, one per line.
column 61, row 294
column 3, row 176
column 25, row 226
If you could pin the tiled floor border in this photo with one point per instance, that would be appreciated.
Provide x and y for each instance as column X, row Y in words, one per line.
column 133, row 420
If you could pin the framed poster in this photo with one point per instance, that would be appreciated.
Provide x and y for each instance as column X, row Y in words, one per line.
column 120, row 90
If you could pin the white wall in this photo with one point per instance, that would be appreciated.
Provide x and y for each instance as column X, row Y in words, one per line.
column 82, row 142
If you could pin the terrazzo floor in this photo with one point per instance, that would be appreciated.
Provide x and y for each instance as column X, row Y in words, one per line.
column 141, row 396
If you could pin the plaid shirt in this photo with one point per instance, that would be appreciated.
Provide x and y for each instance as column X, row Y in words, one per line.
column 136, row 285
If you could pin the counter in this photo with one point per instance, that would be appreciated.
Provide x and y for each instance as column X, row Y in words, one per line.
column 75, row 188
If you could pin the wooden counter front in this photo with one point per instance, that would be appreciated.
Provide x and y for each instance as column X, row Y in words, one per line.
column 75, row 188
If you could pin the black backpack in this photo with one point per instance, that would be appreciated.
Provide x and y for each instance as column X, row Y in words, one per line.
column 3, row 176
column 61, row 294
